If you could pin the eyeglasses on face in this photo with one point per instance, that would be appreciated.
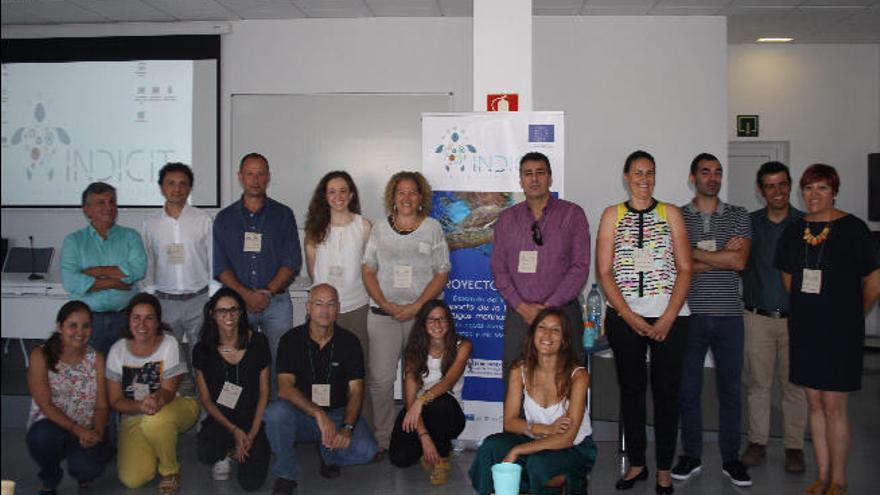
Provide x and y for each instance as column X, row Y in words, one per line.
column 536, row 234
column 234, row 311
column 439, row 321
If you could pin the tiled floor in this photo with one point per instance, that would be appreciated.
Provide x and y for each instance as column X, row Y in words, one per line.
column 384, row 478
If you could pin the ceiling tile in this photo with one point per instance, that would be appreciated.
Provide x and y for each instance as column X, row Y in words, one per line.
column 61, row 12
column 622, row 10
column 685, row 11
column 456, row 8
column 767, row 4
column 589, row 4
column 124, row 10
column 193, row 10
column 692, row 3
column 557, row 7
column 333, row 8
column 837, row 3
column 14, row 13
column 403, row 8
column 263, row 9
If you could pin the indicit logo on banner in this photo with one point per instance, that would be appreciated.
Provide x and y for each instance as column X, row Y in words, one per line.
column 454, row 149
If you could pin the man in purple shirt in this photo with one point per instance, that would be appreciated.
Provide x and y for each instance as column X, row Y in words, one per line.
column 541, row 256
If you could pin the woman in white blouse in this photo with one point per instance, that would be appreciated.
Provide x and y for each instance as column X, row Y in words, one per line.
column 406, row 264
column 336, row 234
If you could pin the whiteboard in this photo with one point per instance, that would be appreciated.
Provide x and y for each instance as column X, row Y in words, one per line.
column 304, row 136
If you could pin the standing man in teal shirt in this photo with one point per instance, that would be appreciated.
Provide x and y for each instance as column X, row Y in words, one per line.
column 101, row 263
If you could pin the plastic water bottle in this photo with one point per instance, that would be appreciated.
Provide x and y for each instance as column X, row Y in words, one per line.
column 593, row 320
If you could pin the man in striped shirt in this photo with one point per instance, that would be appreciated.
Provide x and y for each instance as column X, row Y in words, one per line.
column 720, row 238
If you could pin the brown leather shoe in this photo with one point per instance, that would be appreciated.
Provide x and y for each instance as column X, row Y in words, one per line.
column 794, row 461
column 755, row 453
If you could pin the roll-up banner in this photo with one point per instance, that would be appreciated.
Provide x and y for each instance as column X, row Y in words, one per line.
column 472, row 163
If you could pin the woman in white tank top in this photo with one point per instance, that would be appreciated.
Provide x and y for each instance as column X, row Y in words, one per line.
column 334, row 242
column 435, row 358
column 554, row 442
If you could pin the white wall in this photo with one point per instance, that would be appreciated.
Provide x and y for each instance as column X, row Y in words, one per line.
column 823, row 99
column 656, row 83
column 627, row 83
column 300, row 56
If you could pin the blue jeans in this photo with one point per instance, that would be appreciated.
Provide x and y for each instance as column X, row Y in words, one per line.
column 107, row 328
column 274, row 321
column 286, row 425
column 724, row 336
column 49, row 444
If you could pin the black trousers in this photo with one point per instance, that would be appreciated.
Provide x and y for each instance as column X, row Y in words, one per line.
column 444, row 420
column 214, row 441
column 666, row 363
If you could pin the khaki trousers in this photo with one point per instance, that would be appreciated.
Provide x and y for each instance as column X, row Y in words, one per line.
column 766, row 353
column 355, row 321
column 387, row 338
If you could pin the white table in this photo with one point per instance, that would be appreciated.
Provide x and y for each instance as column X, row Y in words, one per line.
column 28, row 308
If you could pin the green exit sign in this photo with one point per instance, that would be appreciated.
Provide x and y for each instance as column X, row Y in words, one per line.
column 747, row 126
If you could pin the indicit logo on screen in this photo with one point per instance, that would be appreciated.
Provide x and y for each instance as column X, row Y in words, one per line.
column 38, row 141
column 454, row 150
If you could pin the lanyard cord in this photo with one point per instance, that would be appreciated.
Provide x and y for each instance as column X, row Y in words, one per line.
column 226, row 367
column 821, row 250
column 329, row 362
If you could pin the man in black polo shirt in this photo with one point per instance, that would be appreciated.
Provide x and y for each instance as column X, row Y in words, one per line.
column 320, row 391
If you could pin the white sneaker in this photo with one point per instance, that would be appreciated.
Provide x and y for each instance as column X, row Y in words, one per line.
column 221, row 469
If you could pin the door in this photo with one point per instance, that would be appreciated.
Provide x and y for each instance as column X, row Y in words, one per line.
column 745, row 157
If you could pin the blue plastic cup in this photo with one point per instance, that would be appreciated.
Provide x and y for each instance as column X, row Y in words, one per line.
column 505, row 477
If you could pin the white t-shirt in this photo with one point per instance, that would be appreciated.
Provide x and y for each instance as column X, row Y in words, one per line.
column 133, row 371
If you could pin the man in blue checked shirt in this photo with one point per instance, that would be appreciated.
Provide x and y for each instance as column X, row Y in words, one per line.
column 101, row 263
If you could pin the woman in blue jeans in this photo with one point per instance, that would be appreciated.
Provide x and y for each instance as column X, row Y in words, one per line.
column 68, row 412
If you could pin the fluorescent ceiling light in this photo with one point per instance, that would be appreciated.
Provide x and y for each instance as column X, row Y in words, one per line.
column 775, row 40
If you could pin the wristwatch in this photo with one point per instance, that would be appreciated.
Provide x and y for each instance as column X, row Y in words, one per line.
column 348, row 427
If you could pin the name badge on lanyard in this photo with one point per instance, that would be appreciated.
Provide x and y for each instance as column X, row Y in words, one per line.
column 528, row 262
column 141, row 390
column 253, row 242
column 402, row 276
column 812, row 281
column 335, row 276
column 230, row 394
column 175, row 253
column 707, row 245
column 643, row 259
column 321, row 394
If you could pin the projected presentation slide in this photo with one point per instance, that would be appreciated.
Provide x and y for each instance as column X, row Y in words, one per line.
column 65, row 125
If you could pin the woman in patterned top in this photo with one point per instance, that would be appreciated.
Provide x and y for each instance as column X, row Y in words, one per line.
column 69, row 406
column 644, row 266
column 144, row 370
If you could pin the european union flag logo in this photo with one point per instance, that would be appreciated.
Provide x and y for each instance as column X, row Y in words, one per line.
column 542, row 133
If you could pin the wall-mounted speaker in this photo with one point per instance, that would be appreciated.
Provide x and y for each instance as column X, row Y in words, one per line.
column 874, row 187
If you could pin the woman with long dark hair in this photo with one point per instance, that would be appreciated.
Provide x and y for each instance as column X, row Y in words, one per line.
column 644, row 265
column 553, row 441
column 144, row 370
column 232, row 374
column 830, row 266
column 336, row 234
column 435, row 358
column 68, row 414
